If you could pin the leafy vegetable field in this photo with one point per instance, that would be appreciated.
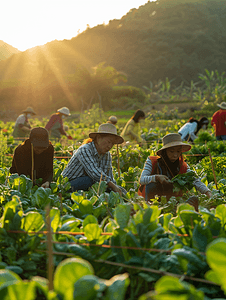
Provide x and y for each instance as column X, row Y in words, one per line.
column 97, row 245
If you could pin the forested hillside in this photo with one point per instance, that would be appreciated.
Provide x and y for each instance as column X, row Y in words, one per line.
column 175, row 39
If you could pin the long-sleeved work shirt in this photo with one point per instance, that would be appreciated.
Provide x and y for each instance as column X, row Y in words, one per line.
column 86, row 161
column 147, row 178
column 43, row 162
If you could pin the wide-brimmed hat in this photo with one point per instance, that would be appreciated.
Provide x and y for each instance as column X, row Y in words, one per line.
column 173, row 140
column 110, row 129
column 39, row 137
column 222, row 105
column 64, row 110
column 29, row 110
column 113, row 119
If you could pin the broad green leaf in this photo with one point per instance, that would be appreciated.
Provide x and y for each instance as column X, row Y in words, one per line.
column 32, row 221
column 55, row 218
column 86, row 207
column 221, row 213
column 76, row 197
column 122, row 215
column 201, row 237
column 21, row 290
column 216, row 258
column 92, row 232
column 117, row 286
column 89, row 220
column 190, row 218
column 90, row 284
column 184, row 206
column 8, row 276
column 70, row 226
column 67, row 273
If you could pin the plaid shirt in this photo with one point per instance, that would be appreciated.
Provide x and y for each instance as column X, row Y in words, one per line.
column 87, row 161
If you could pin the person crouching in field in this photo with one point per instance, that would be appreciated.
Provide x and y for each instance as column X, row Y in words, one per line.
column 55, row 123
column 92, row 161
column 22, row 127
column 158, row 170
column 36, row 148
column 190, row 129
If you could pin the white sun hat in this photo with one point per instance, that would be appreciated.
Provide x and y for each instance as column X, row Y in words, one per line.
column 222, row 105
column 110, row 129
column 64, row 110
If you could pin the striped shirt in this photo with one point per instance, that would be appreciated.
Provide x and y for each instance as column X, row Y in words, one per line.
column 86, row 161
column 146, row 178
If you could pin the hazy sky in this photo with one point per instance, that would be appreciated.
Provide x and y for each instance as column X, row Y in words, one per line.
column 28, row 23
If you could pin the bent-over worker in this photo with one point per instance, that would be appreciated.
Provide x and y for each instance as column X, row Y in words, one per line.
column 92, row 161
column 42, row 157
column 22, row 127
column 158, row 170
column 55, row 124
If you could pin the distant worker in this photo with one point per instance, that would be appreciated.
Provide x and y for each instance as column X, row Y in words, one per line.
column 190, row 129
column 37, row 152
column 219, row 122
column 22, row 127
column 55, row 124
column 131, row 131
column 112, row 120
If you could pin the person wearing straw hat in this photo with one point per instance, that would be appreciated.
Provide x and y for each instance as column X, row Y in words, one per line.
column 190, row 129
column 22, row 127
column 92, row 161
column 55, row 124
column 158, row 170
column 219, row 122
column 34, row 157
column 112, row 120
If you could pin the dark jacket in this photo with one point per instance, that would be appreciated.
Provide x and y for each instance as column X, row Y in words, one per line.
column 43, row 162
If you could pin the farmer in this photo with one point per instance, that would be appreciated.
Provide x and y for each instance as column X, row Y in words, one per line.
column 132, row 128
column 219, row 122
column 36, row 148
column 22, row 127
column 55, row 124
column 190, row 129
column 158, row 170
column 92, row 161
column 112, row 120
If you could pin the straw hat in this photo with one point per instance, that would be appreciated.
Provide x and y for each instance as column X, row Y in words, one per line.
column 39, row 137
column 172, row 140
column 107, row 129
column 29, row 110
column 113, row 120
column 64, row 110
column 222, row 105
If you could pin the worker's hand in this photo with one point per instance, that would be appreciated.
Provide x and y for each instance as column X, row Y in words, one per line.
column 45, row 184
column 114, row 188
column 69, row 137
column 162, row 179
column 209, row 194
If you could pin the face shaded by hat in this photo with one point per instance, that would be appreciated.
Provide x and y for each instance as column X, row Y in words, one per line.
column 107, row 129
column 39, row 137
column 172, row 140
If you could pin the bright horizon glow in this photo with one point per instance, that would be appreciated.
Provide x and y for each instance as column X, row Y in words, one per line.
column 28, row 23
